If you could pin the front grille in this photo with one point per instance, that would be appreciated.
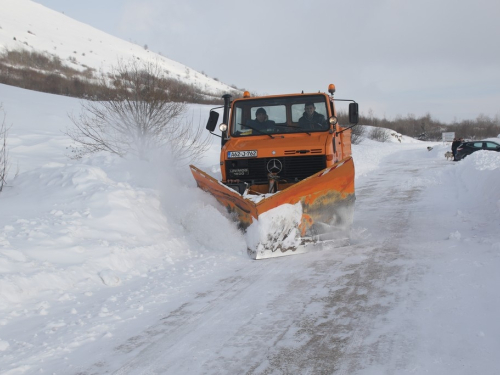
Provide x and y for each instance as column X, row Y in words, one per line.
column 313, row 151
column 295, row 168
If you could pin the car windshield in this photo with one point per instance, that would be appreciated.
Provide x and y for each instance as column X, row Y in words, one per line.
column 294, row 114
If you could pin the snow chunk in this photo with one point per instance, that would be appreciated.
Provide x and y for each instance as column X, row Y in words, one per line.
column 88, row 175
column 455, row 236
column 275, row 228
column 43, row 307
column 109, row 278
column 257, row 198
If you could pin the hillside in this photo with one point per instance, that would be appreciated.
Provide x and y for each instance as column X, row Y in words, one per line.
column 44, row 42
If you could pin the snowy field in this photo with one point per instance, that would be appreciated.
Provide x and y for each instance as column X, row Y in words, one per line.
column 94, row 252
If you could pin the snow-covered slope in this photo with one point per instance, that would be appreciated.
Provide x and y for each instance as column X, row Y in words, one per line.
column 27, row 25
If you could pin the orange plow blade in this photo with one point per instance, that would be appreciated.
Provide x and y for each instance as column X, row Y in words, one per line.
column 315, row 210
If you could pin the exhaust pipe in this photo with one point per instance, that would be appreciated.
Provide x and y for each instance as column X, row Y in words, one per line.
column 225, row 116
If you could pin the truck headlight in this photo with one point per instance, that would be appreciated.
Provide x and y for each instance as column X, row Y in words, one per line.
column 223, row 127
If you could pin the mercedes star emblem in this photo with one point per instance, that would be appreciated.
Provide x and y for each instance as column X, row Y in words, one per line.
column 274, row 166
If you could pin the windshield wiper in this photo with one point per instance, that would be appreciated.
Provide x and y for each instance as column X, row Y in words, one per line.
column 295, row 129
column 257, row 130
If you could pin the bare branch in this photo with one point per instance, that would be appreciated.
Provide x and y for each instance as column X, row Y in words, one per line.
column 138, row 118
column 4, row 155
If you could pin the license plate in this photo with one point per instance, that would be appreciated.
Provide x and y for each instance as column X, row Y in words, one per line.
column 242, row 154
column 239, row 172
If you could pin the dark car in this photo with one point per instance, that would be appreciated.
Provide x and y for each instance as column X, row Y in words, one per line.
column 467, row 148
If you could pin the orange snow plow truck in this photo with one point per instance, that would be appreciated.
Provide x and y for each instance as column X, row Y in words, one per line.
column 287, row 170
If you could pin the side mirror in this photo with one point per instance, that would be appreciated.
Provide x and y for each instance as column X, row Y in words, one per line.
column 212, row 121
column 353, row 113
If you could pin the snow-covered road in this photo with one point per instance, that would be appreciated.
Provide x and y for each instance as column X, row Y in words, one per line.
column 349, row 310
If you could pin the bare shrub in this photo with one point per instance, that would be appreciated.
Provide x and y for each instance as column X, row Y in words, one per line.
column 40, row 61
column 48, row 73
column 4, row 156
column 140, row 117
column 357, row 134
column 379, row 135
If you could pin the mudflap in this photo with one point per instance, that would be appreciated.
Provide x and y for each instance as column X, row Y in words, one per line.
column 299, row 219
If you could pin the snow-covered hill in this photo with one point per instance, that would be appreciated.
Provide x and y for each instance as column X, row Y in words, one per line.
column 27, row 25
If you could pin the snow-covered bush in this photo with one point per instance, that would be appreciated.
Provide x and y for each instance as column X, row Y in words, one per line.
column 379, row 134
column 137, row 118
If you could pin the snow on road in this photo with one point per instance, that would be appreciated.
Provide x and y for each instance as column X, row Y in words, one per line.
column 116, row 266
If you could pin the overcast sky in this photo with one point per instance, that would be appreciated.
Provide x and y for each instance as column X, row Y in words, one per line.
column 395, row 57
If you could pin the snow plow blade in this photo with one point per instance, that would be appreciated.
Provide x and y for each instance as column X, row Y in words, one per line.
column 297, row 219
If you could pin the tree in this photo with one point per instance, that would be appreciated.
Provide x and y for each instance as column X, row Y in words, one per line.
column 137, row 117
column 4, row 156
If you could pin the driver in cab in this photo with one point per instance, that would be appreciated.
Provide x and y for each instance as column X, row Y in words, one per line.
column 261, row 122
column 311, row 119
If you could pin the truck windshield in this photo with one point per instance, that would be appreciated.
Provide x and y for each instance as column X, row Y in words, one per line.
column 294, row 114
